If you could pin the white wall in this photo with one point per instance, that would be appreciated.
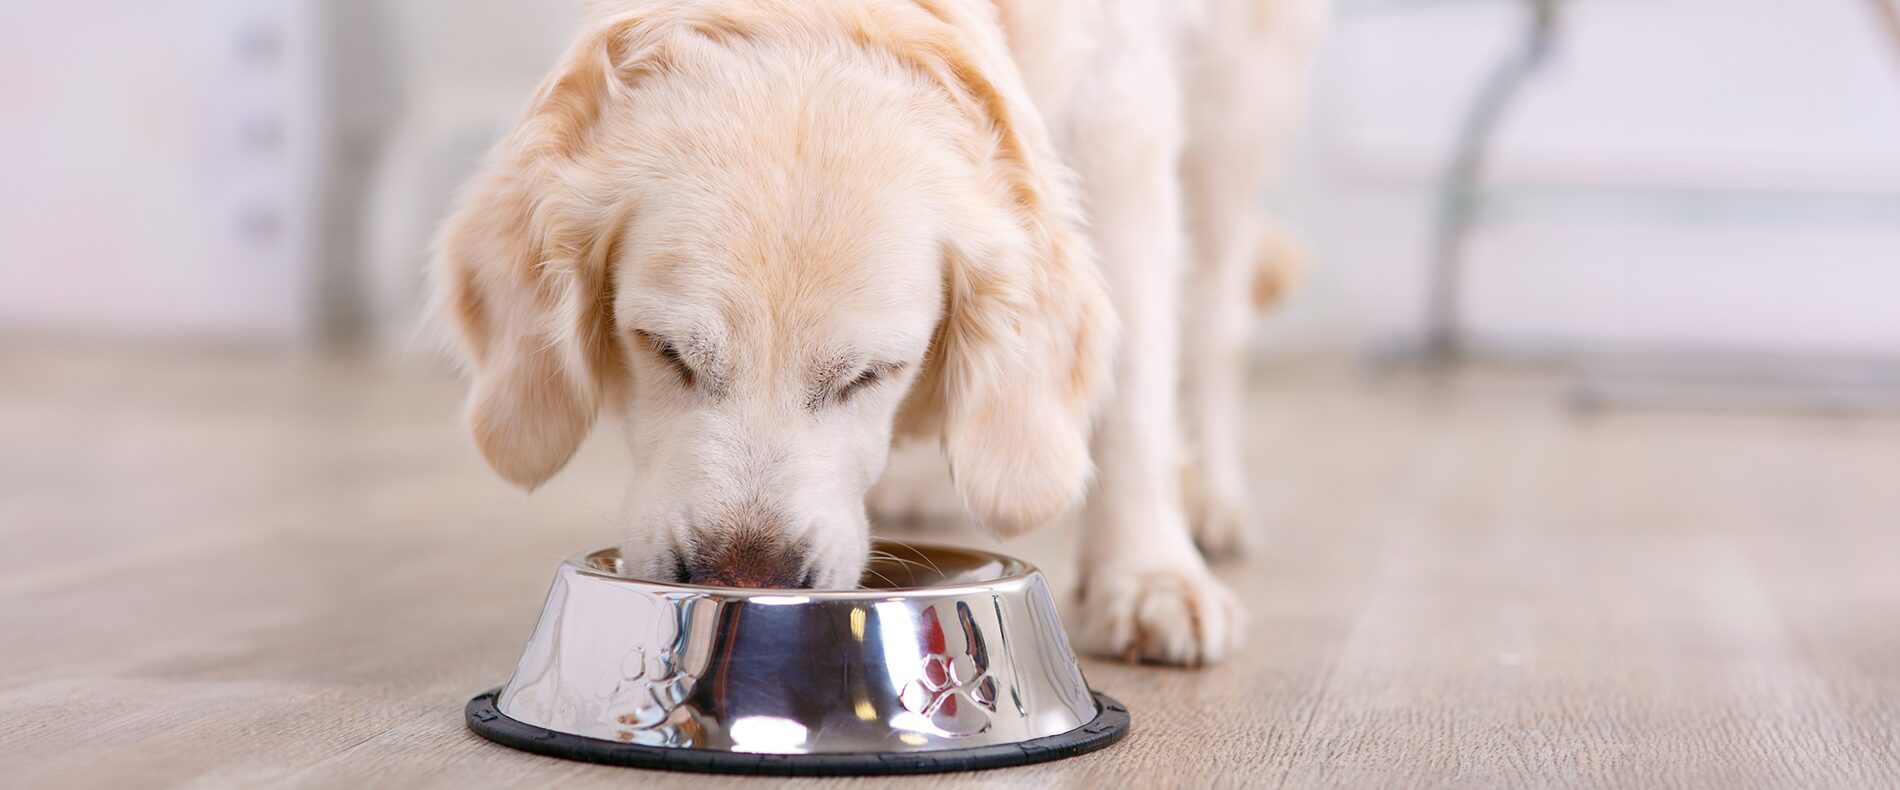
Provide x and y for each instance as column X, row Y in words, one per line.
column 466, row 69
column 158, row 161
column 137, row 191
column 201, row 169
column 1687, row 173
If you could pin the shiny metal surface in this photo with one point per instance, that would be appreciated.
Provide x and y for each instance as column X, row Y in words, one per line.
column 955, row 649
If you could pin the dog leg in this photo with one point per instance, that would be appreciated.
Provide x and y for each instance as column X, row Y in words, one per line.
column 1146, row 593
column 1213, row 378
column 1243, row 72
column 1239, row 267
column 1234, row 276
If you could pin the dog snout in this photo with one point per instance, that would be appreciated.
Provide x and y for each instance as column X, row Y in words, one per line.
column 748, row 557
column 777, row 573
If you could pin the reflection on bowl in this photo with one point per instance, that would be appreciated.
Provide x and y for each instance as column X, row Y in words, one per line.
column 952, row 659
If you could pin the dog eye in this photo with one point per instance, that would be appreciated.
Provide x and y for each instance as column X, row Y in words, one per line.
column 871, row 376
column 670, row 353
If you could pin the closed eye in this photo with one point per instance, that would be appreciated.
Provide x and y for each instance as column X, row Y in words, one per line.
column 669, row 353
column 871, row 377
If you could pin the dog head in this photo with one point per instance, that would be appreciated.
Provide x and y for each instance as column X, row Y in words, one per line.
column 767, row 243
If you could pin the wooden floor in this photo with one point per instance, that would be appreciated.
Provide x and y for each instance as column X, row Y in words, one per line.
column 231, row 570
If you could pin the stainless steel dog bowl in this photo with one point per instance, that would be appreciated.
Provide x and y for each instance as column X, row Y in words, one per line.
column 949, row 659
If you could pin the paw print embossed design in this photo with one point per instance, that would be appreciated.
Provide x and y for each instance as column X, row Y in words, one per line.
column 654, row 686
column 956, row 692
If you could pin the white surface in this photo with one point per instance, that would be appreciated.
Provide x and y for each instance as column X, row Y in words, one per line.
column 130, row 175
column 1797, row 102
column 123, row 172
column 1785, row 94
column 465, row 85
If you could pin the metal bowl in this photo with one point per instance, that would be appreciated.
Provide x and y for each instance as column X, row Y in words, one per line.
column 948, row 659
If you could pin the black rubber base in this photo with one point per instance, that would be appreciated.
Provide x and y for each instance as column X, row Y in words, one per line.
column 1110, row 724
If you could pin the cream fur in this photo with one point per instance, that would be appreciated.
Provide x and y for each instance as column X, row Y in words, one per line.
column 717, row 215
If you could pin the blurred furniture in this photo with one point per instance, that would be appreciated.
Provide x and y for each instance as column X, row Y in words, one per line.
column 1799, row 330
column 1459, row 193
column 159, row 166
column 462, row 86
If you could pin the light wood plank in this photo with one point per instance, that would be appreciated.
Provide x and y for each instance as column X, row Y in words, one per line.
column 227, row 569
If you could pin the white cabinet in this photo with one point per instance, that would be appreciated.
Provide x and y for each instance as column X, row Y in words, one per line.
column 159, row 163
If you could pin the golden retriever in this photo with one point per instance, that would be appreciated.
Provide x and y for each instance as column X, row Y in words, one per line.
column 774, row 235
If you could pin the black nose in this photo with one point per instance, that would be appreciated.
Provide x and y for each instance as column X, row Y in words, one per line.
column 748, row 558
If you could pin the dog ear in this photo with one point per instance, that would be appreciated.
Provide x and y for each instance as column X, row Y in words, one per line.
column 1023, row 353
column 522, row 268
column 1023, row 360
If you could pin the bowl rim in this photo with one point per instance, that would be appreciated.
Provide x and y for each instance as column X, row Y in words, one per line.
column 1016, row 572
column 1110, row 724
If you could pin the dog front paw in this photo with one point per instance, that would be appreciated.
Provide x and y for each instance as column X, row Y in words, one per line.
column 1181, row 617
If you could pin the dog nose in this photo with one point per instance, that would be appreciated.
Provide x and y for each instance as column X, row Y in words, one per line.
column 766, row 578
column 748, row 559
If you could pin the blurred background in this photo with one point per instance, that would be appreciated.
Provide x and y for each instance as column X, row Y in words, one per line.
column 1573, row 452
column 1709, row 178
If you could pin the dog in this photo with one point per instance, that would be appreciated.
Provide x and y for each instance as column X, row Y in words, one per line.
column 774, row 236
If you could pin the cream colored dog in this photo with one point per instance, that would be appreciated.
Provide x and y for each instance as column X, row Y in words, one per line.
column 772, row 235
